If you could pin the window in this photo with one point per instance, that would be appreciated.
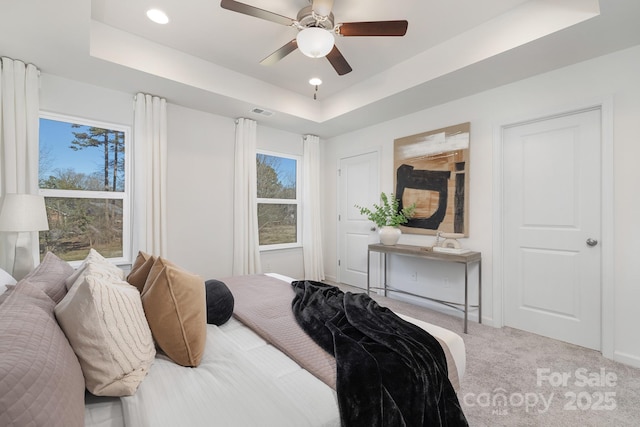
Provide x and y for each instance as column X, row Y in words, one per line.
column 83, row 177
column 278, row 200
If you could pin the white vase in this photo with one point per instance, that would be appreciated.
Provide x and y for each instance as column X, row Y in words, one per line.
column 389, row 235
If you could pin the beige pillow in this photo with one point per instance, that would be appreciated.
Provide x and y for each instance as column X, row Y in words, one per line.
column 104, row 321
column 95, row 258
column 140, row 270
column 175, row 304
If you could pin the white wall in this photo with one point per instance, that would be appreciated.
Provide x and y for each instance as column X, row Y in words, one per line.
column 63, row 96
column 200, row 173
column 200, row 191
column 613, row 77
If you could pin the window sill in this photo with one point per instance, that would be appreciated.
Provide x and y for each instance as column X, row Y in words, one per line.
column 280, row 247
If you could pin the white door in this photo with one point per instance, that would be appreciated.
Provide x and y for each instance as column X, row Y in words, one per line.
column 552, row 219
column 357, row 185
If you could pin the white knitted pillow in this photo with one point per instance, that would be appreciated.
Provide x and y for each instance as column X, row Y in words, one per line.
column 94, row 258
column 104, row 321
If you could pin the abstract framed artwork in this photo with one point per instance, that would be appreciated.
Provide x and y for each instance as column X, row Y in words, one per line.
column 432, row 170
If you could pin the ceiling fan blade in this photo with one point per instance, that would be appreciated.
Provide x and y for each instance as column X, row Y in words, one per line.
column 376, row 28
column 246, row 9
column 280, row 53
column 338, row 62
column 322, row 7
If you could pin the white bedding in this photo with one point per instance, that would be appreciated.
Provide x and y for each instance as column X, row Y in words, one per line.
column 241, row 381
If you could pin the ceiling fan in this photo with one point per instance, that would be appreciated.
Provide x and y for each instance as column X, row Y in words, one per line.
column 316, row 27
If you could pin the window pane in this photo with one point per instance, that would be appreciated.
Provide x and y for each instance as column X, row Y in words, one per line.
column 277, row 223
column 276, row 177
column 80, row 157
column 76, row 225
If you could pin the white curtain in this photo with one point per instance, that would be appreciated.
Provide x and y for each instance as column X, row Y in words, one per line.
column 19, row 126
column 246, row 247
column 311, row 209
column 150, row 175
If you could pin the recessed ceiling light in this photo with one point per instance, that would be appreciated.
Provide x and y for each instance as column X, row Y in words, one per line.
column 315, row 81
column 157, row 16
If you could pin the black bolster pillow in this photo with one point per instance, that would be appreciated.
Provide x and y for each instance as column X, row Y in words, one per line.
column 219, row 302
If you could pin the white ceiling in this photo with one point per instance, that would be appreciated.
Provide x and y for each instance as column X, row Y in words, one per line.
column 208, row 57
column 238, row 42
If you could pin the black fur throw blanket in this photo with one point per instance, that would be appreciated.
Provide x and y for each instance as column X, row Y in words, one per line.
column 389, row 371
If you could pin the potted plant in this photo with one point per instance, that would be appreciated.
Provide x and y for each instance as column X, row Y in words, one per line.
column 387, row 216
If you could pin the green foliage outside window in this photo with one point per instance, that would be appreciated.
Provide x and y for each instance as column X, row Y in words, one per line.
column 277, row 193
column 76, row 225
column 78, row 164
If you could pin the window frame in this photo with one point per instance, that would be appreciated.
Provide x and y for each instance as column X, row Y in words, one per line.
column 297, row 201
column 124, row 195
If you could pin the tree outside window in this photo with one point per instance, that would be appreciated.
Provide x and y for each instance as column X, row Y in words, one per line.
column 278, row 201
column 82, row 174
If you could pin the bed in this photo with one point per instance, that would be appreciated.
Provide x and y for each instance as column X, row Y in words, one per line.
column 242, row 379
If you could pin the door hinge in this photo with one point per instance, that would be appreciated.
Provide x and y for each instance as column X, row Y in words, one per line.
column 338, row 263
column 339, row 172
column 339, row 217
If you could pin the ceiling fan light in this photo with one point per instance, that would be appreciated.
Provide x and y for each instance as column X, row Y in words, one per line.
column 157, row 16
column 315, row 42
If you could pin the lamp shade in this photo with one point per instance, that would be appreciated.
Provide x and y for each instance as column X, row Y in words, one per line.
column 315, row 42
column 23, row 212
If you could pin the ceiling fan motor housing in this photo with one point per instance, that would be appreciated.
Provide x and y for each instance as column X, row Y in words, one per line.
column 307, row 19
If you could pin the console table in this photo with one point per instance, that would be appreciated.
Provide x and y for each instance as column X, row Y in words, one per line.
column 466, row 258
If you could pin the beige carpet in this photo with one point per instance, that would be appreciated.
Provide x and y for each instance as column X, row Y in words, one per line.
column 515, row 378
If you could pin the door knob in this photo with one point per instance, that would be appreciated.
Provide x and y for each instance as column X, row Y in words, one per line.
column 591, row 242
column 373, row 229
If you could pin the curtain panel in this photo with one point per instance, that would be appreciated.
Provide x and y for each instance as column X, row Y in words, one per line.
column 311, row 209
column 19, row 127
column 149, row 213
column 246, row 246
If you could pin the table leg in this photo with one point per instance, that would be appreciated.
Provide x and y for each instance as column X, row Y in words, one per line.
column 385, row 274
column 466, row 295
column 368, row 272
column 479, row 291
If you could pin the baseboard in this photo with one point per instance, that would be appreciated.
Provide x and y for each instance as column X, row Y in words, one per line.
column 627, row 359
column 432, row 305
column 330, row 279
column 488, row 321
column 473, row 314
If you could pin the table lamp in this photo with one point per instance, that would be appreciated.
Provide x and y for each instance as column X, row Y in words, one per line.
column 22, row 213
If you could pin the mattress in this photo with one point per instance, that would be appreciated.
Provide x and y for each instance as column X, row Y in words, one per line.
column 242, row 380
